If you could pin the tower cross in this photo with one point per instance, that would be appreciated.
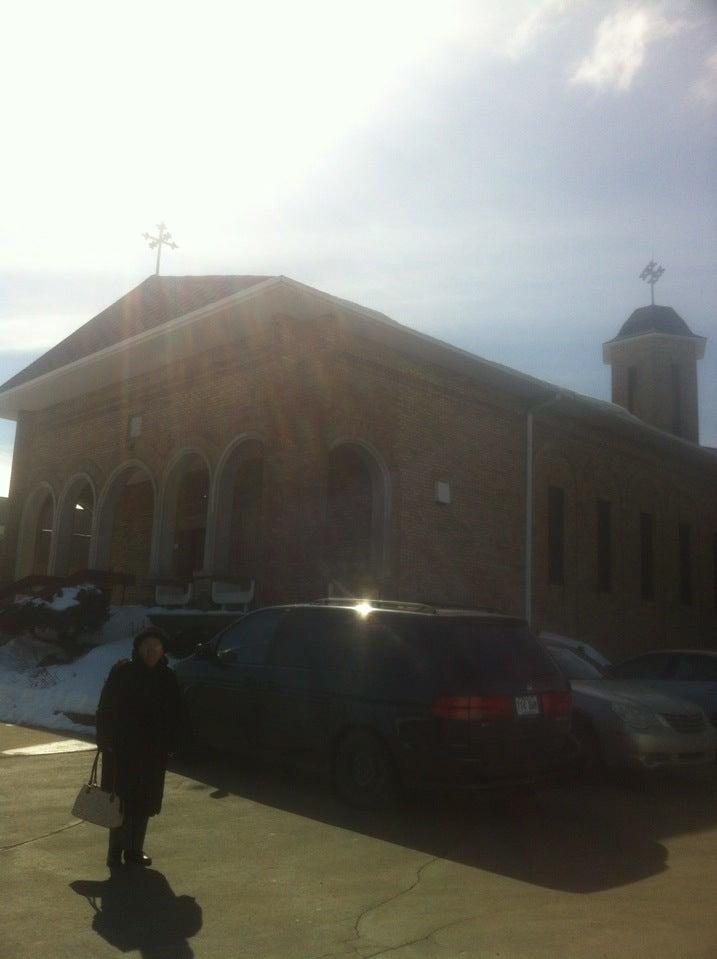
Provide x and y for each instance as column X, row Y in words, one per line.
column 652, row 274
column 163, row 238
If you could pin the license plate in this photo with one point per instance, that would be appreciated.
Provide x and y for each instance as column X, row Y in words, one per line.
column 527, row 706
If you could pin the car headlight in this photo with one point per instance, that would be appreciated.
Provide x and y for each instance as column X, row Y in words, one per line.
column 636, row 716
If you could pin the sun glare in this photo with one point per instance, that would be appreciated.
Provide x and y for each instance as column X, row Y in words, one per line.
column 197, row 119
column 6, row 429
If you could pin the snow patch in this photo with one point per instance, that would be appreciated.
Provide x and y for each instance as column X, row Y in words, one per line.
column 25, row 652
column 123, row 621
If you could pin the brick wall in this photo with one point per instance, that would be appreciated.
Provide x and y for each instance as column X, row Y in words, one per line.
column 132, row 532
column 307, row 389
column 589, row 464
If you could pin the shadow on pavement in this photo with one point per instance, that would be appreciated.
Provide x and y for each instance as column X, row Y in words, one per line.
column 579, row 837
column 136, row 910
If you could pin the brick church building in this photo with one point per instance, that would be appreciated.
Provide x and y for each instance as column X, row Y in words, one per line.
column 253, row 428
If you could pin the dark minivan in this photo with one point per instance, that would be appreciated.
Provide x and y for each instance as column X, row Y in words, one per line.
column 384, row 694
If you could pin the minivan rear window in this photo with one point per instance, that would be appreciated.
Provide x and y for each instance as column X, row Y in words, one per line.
column 504, row 654
column 418, row 653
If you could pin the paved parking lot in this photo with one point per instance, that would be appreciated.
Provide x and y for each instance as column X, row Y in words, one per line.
column 254, row 862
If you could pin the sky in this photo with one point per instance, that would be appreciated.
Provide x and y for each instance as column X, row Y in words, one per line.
column 495, row 173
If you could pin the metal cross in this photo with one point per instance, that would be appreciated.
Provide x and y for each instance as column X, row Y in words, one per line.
column 164, row 238
column 652, row 274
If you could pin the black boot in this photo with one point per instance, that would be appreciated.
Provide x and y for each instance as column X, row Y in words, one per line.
column 137, row 858
column 137, row 829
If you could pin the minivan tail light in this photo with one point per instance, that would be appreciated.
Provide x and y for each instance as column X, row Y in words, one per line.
column 556, row 703
column 473, row 707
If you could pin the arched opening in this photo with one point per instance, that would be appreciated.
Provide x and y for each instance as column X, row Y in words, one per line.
column 356, row 519
column 74, row 527
column 238, row 513
column 124, row 527
column 131, row 542
column 83, row 510
column 43, row 535
column 190, row 525
column 36, row 532
column 184, row 518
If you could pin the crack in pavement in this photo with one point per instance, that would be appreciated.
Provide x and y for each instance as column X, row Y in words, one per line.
column 385, row 950
column 413, row 942
column 53, row 832
column 385, row 902
column 355, row 942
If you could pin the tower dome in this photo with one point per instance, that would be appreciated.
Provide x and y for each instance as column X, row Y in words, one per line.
column 654, row 319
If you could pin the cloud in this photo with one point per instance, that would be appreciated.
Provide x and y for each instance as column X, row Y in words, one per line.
column 621, row 45
column 536, row 23
column 706, row 87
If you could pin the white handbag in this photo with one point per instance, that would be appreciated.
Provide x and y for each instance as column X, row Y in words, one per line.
column 96, row 805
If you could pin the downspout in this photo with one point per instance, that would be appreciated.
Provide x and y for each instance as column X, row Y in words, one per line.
column 529, row 505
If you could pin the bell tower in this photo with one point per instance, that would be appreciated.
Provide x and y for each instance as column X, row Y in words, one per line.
column 654, row 368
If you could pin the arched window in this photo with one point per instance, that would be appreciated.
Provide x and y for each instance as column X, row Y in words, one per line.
column 36, row 532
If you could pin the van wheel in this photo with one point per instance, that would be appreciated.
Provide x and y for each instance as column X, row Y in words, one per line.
column 364, row 771
column 592, row 761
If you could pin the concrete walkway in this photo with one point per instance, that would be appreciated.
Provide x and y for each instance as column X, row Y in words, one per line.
column 253, row 862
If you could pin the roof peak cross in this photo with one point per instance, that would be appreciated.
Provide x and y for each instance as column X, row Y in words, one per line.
column 652, row 274
column 163, row 238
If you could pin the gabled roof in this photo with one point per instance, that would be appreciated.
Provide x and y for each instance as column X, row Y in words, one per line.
column 155, row 301
column 160, row 306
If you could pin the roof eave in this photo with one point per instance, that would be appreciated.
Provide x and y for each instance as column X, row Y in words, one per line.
column 626, row 424
column 528, row 389
column 9, row 398
column 700, row 342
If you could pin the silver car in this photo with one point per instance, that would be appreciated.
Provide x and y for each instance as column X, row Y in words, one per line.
column 687, row 673
column 623, row 723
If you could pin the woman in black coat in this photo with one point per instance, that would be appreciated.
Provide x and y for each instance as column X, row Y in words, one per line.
column 140, row 723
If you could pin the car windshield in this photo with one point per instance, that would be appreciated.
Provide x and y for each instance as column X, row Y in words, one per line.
column 573, row 666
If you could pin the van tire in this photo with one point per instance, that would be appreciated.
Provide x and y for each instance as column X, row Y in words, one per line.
column 592, row 759
column 364, row 771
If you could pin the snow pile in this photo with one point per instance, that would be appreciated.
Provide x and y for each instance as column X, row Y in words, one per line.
column 66, row 598
column 42, row 696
